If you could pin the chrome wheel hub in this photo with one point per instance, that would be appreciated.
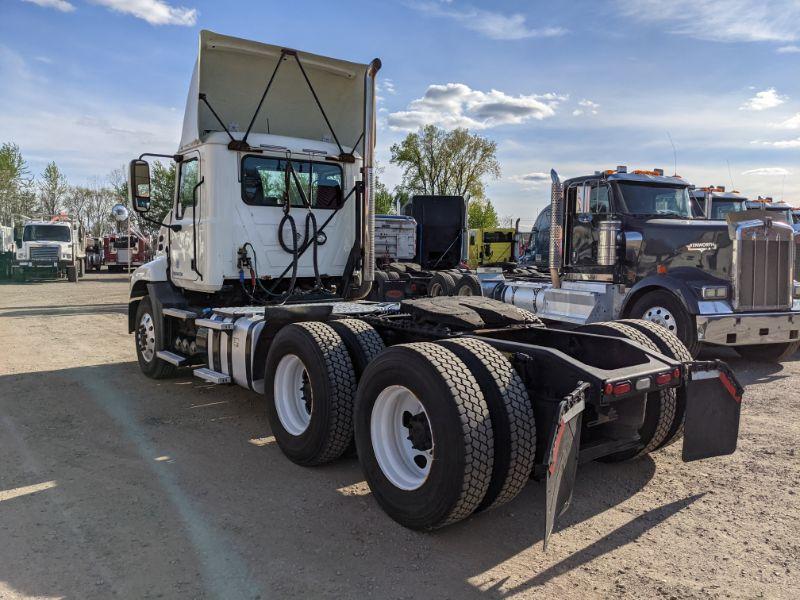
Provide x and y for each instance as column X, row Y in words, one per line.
column 661, row 316
column 146, row 337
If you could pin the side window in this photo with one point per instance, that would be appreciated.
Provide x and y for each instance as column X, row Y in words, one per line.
column 264, row 182
column 599, row 203
column 188, row 180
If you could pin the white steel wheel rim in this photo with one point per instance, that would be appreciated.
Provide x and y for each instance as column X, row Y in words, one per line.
column 436, row 289
column 403, row 465
column 147, row 337
column 465, row 290
column 661, row 316
column 291, row 403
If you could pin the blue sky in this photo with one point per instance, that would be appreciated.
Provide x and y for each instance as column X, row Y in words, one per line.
column 575, row 86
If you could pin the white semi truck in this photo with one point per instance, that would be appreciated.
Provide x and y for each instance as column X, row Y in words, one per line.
column 53, row 247
column 453, row 403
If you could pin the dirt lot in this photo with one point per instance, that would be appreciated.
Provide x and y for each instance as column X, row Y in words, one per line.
column 115, row 485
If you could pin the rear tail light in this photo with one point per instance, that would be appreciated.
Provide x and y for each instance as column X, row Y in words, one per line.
column 663, row 378
column 618, row 389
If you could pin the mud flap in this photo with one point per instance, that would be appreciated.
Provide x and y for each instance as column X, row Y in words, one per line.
column 713, row 405
column 563, row 457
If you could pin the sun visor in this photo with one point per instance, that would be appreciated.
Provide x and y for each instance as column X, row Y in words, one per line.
column 233, row 74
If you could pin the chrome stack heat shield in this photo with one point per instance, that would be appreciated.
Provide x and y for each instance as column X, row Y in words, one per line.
column 556, row 224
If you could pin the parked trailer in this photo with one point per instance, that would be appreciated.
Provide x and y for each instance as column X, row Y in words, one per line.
column 452, row 403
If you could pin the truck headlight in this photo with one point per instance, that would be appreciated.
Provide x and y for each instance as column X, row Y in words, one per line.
column 66, row 255
column 796, row 289
column 714, row 292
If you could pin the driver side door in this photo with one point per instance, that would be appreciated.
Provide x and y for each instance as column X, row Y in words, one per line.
column 592, row 205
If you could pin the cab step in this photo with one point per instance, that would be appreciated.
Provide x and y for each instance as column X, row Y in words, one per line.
column 215, row 325
column 207, row 374
column 171, row 357
column 179, row 313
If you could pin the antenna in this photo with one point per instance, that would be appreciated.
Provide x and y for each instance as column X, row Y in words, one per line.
column 674, row 156
column 730, row 174
column 783, row 186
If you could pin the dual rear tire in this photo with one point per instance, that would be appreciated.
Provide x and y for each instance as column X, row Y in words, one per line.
column 441, row 429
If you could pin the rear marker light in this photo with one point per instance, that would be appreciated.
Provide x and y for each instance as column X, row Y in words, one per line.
column 676, row 373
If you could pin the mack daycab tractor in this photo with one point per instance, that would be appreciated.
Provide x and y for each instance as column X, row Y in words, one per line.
column 624, row 245
column 451, row 403
column 49, row 247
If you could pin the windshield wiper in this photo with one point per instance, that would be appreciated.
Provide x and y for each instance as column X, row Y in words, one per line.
column 662, row 214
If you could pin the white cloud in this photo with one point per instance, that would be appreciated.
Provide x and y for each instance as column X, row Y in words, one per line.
column 155, row 12
column 721, row 20
column 790, row 123
column 763, row 100
column 768, row 172
column 533, row 180
column 386, row 85
column 589, row 107
column 782, row 144
column 788, row 49
column 61, row 5
column 457, row 105
column 491, row 24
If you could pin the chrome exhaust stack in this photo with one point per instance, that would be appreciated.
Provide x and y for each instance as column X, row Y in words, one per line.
column 368, row 173
column 556, row 224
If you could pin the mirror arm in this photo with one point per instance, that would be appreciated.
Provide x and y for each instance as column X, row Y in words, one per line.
column 176, row 227
column 175, row 157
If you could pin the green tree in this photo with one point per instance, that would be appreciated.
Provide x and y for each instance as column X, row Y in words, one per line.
column 16, row 187
column 450, row 163
column 481, row 214
column 384, row 201
column 53, row 190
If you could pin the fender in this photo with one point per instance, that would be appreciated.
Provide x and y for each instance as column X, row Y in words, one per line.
column 683, row 284
column 151, row 280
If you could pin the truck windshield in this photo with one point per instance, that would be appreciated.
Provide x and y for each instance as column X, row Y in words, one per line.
column 721, row 208
column 46, row 233
column 655, row 200
column 264, row 182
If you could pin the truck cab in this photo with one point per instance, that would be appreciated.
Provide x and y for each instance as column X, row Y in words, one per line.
column 628, row 246
column 492, row 246
column 51, row 247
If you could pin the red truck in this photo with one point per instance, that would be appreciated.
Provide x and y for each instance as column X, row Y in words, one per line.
column 116, row 247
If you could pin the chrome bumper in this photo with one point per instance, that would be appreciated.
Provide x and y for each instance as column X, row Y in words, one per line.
column 737, row 329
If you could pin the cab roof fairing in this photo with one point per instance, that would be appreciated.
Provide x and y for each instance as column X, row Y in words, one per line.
column 233, row 74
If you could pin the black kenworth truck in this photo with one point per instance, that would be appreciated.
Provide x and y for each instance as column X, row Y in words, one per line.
column 625, row 245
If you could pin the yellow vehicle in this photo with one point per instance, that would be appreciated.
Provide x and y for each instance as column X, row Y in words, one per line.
column 491, row 247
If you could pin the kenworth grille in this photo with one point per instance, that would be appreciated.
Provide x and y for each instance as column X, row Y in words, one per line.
column 763, row 265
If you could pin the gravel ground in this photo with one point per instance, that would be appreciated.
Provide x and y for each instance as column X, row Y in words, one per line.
column 114, row 485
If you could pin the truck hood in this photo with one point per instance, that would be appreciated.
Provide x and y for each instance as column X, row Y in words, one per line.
column 674, row 243
column 233, row 74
